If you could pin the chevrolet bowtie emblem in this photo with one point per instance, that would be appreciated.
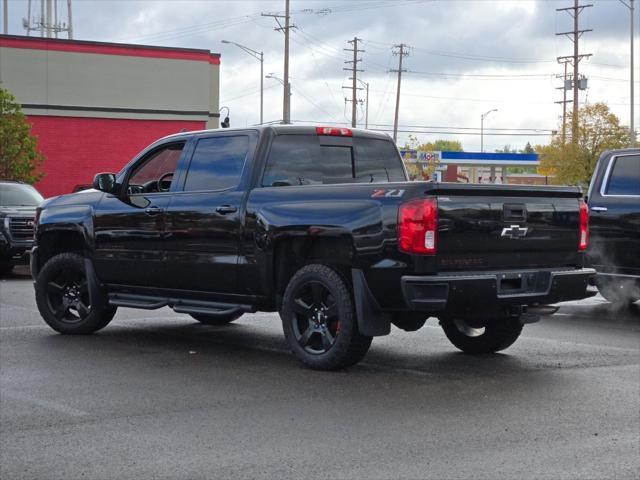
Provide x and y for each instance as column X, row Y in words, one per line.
column 514, row 232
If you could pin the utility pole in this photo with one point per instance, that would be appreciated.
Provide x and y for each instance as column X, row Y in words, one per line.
column 632, row 130
column 70, row 20
column 401, row 52
column 565, row 83
column 574, row 36
column 286, row 101
column 49, row 27
column 5, row 17
column 354, row 79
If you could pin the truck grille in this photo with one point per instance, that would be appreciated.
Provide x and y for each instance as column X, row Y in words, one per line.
column 21, row 228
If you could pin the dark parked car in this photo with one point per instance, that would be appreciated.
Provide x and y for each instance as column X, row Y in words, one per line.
column 614, row 204
column 319, row 224
column 18, row 202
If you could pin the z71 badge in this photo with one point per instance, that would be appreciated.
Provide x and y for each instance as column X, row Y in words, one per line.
column 383, row 192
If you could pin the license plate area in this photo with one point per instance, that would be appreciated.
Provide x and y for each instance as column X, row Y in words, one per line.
column 523, row 282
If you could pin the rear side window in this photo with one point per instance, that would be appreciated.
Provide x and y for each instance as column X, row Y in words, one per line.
column 303, row 160
column 625, row 176
column 217, row 163
column 377, row 161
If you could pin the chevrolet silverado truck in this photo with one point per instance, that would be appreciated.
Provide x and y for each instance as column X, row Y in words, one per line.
column 18, row 202
column 614, row 204
column 317, row 223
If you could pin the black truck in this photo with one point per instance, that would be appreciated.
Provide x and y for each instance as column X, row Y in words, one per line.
column 18, row 202
column 317, row 223
column 614, row 203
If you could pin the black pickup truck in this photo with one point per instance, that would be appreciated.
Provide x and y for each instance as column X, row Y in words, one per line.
column 614, row 203
column 317, row 223
column 18, row 202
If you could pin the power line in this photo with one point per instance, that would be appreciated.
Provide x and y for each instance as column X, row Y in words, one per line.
column 444, row 127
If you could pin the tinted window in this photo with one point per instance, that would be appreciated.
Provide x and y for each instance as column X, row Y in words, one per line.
column 156, row 165
column 377, row 161
column 625, row 176
column 18, row 195
column 300, row 160
column 217, row 163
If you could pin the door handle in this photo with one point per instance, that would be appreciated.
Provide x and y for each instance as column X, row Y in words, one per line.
column 224, row 209
column 153, row 210
column 598, row 209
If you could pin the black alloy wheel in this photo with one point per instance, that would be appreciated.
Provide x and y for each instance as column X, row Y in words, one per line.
column 319, row 319
column 68, row 296
column 316, row 324
column 62, row 296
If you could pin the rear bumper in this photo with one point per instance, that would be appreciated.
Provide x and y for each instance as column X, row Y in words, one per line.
column 467, row 291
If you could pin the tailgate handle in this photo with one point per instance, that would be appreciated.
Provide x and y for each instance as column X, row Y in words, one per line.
column 514, row 211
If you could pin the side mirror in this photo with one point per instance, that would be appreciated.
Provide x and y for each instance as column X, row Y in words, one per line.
column 105, row 182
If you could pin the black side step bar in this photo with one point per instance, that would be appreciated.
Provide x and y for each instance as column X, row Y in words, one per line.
column 179, row 305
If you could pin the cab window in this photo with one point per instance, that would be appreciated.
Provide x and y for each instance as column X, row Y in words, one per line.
column 217, row 163
column 155, row 172
column 625, row 176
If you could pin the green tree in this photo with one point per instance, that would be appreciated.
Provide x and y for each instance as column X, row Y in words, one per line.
column 19, row 156
column 528, row 149
column 598, row 130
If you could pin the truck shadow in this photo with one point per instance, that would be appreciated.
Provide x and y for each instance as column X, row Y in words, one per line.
column 250, row 346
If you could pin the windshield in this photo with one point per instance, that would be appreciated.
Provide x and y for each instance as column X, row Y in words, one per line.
column 19, row 195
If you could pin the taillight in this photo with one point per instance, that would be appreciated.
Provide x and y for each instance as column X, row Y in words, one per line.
column 334, row 131
column 418, row 226
column 583, row 243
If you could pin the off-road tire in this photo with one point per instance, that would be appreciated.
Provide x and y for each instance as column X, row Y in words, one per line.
column 52, row 276
column 499, row 333
column 349, row 346
column 215, row 320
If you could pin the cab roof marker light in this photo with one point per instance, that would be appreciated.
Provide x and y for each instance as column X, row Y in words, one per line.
column 334, row 131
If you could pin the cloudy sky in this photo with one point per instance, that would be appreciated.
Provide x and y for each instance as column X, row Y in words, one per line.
column 466, row 57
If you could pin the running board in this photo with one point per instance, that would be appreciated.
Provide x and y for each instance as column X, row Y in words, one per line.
column 179, row 305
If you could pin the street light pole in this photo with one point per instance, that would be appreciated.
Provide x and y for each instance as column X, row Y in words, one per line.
column 366, row 108
column 260, row 57
column 273, row 77
column 493, row 169
column 482, row 117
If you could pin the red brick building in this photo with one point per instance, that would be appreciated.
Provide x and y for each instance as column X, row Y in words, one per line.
column 94, row 105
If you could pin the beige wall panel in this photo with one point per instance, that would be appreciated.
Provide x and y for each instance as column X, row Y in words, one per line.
column 94, row 80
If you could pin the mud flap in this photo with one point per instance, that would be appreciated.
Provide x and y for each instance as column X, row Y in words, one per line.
column 372, row 321
column 96, row 295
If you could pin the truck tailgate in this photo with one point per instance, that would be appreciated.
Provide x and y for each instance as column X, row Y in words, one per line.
column 507, row 226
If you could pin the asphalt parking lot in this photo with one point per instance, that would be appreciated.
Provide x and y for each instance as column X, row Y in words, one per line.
column 157, row 395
